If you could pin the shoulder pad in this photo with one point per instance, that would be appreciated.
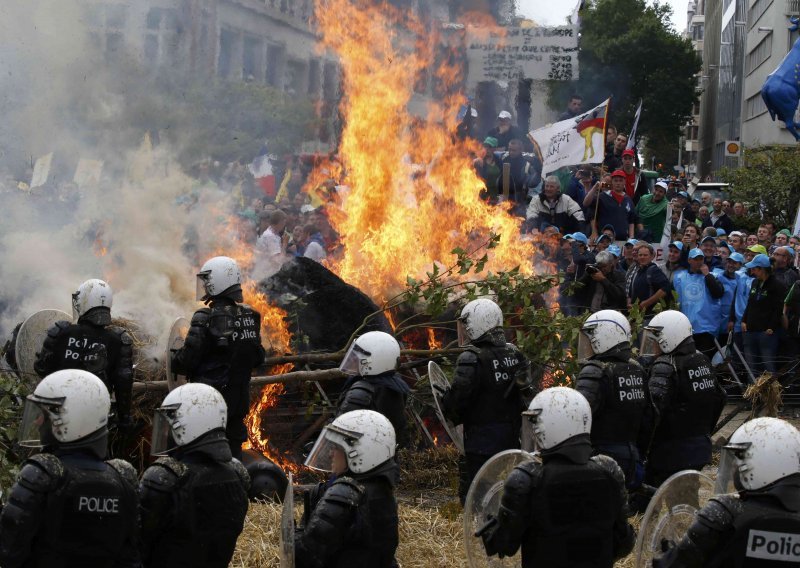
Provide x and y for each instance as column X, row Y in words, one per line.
column 663, row 366
column 41, row 472
column 241, row 471
column 172, row 465
column 125, row 469
column 121, row 333
column 721, row 511
column 201, row 317
column 635, row 363
column 247, row 307
column 468, row 357
column 525, row 476
column 160, row 479
column 609, row 466
column 58, row 328
column 346, row 491
column 592, row 370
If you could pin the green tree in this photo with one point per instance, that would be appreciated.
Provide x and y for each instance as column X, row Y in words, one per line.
column 768, row 182
column 629, row 51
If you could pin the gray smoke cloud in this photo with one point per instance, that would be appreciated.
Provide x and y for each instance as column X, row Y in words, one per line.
column 155, row 223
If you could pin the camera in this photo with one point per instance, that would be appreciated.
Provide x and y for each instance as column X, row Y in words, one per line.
column 592, row 269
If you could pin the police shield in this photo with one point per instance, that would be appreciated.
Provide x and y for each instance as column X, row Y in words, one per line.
column 483, row 503
column 177, row 334
column 30, row 338
column 287, row 527
column 670, row 513
column 439, row 386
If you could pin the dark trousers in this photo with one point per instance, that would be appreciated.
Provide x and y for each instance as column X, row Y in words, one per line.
column 237, row 397
column 761, row 351
column 468, row 466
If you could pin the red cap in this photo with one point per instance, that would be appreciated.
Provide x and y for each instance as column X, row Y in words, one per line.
column 618, row 173
column 629, row 152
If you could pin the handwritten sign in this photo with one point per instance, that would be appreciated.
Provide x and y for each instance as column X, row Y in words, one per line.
column 522, row 53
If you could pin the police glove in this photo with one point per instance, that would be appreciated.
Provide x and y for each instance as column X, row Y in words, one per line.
column 670, row 550
column 487, row 534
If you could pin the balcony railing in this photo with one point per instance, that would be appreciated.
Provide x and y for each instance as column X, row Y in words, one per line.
column 793, row 7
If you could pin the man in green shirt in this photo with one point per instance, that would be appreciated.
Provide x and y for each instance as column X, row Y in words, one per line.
column 652, row 211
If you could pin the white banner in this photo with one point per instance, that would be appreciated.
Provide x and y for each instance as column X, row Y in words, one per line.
column 539, row 53
column 88, row 172
column 578, row 140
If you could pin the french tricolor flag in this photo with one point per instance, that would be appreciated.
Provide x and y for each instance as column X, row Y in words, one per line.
column 261, row 168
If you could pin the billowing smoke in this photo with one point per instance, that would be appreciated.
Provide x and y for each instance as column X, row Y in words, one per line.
column 145, row 227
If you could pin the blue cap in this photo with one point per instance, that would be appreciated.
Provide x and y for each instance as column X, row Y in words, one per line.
column 677, row 244
column 683, row 194
column 615, row 250
column 609, row 226
column 790, row 250
column 694, row 253
column 631, row 242
column 737, row 256
column 600, row 237
column 721, row 232
column 580, row 237
column 759, row 261
column 708, row 238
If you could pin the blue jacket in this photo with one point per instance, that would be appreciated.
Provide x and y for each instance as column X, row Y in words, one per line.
column 726, row 301
column 699, row 297
column 740, row 298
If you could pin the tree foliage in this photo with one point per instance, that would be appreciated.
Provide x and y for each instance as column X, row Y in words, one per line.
column 629, row 51
column 768, row 182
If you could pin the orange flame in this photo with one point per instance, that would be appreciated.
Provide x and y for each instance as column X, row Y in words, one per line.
column 433, row 343
column 412, row 192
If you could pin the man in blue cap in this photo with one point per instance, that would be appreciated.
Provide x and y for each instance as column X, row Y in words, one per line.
column 579, row 257
column 686, row 207
column 730, row 280
column 673, row 264
column 763, row 318
column 709, row 247
column 699, row 293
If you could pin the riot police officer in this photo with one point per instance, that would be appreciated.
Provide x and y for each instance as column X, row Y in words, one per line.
column 193, row 501
column 92, row 344
column 759, row 525
column 614, row 384
column 686, row 395
column 353, row 517
column 569, row 509
column 223, row 345
column 69, row 507
column 492, row 378
column 374, row 384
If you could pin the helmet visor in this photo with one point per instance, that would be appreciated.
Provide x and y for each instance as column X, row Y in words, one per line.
column 200, row 291
column 34, row 426
column 650, row 346
column 162, row 441
column 463, row 336
column 529, row 433
column 585, row 349
column 351, row 364
column 728, row 471
column 329, row 452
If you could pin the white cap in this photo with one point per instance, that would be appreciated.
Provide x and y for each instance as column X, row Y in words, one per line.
column 504, row 114
column 307, row 208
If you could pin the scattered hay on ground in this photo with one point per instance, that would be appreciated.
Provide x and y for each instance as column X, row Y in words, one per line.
column 766, row 395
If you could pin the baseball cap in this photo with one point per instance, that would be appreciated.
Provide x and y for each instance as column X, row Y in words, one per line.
column 628, row 152
column 683, row 194
column 307, row 208
column 721, row 232
column 609, row 226
column 736, row 234
column 789, row 250
column 580, row 237
column 490, row 141
column 759, row 261
column 662, row 184
column 677, row 244
column 618, row 173
column 709, row 238
column 694, row 253
column 786, row 232
column 758, row 249
column 504, row 114
column 631, row 242
column 615, row 250
column 736, row 256
column 600, row 237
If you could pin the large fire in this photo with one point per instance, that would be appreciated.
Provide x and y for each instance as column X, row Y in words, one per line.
column 412, row 192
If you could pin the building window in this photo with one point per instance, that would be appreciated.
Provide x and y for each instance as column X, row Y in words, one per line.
column 251, row 59
column 227, row 43
column 276, row 60
column 161, row 40
column 107, row 28
column 698, row 31
column 294, row 80
column 754, row 106
column 757, row 10
column 759, row 54
column 314, row 79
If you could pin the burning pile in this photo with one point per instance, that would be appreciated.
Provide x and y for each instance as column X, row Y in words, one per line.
column 411, row 193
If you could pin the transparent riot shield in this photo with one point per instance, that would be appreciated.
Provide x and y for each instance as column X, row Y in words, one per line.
column 177, row 335
column 670, row 513
column 286, row 546
column 483, row 501
column 30, row 337
column 439, row 386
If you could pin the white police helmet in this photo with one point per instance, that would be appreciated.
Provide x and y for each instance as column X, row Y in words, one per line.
column 361, row 439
